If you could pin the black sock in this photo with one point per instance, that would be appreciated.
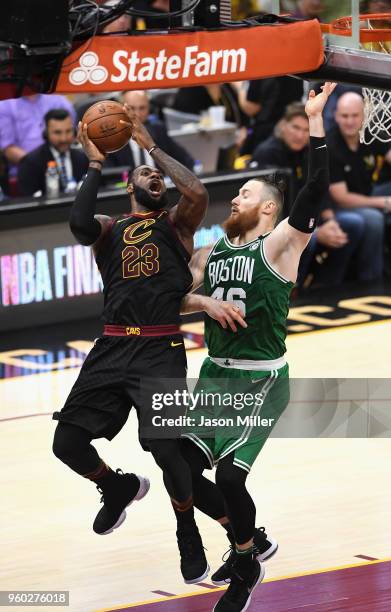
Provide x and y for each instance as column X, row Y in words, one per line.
column 103, row 473
column 244, row 560
column 184, row 513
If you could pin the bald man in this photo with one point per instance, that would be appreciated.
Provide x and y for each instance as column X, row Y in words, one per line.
column 358, row 174
column 132, row 155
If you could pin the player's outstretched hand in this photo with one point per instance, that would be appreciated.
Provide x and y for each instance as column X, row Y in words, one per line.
column 316, row 103
column 226, row 313
column 139, row 132
column 89, row 148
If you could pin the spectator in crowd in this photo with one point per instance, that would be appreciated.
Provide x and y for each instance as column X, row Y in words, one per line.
column 264, row 102
column 22, row 124
column 198, row 99
column 309, row 9
column 131, row 155
column 339, row 232
column 377, row 6
column 331, row 106
column 288, row 149
column 357, row 173
column 71, row 163
column 326, row 260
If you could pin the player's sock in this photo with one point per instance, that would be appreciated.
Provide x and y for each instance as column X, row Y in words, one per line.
column 244, row 559
column 102, row 475
column 184, row 512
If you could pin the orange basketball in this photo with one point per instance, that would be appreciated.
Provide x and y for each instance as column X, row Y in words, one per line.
column 104, row 127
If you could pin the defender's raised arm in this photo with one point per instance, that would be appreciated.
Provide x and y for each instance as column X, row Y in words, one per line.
column 288, row 240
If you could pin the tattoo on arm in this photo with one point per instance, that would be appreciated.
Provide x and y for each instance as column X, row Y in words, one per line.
column 186, row 182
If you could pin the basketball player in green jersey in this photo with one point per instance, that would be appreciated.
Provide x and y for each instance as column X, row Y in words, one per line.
column 253, row 266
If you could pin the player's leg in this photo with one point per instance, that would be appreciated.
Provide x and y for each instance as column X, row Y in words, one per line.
column 97, row 408
column 209, row 500
column 236, row 456
column 178, row 482
column 165, row 357
column 72, row 445
column 247, row 571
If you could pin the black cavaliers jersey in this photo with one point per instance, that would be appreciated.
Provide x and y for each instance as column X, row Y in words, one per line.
column 144, row 269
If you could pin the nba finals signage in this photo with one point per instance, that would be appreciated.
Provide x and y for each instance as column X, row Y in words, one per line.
column 108, row 63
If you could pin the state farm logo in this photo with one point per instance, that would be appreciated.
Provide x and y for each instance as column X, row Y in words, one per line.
column 89, row 70
column 133, row 67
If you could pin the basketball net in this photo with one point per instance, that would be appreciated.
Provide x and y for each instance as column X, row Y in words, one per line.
column 377, row 105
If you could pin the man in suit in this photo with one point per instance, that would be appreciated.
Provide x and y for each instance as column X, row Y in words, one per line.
column 59, row 136
column 131, row 155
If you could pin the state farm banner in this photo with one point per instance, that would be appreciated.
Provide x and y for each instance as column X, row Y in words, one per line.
column 108, row 63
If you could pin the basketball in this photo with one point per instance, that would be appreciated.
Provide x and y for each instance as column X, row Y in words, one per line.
column 104, row 127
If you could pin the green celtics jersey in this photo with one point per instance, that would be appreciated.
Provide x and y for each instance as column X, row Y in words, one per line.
column 242, row 274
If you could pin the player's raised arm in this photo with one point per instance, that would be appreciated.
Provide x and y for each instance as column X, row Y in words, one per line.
column 85, row 226
column 288, row 240
column 191, row 208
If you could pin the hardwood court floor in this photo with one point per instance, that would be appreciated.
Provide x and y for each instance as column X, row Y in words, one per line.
column 327, row 501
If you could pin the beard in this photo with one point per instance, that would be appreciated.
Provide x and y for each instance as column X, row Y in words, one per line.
column 240, row 223
column 144, row 199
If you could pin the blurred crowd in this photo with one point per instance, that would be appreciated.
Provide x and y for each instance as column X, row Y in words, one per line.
column 39, row 155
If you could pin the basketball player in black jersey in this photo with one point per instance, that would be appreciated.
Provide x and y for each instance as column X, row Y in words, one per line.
column 143, row 259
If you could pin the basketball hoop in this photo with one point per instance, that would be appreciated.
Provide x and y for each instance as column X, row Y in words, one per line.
column 377, row 116
column 375, row 35
column 377, row 102
column 342, row 26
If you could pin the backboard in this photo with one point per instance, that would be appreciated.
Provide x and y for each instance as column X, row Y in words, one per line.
column 357, row 48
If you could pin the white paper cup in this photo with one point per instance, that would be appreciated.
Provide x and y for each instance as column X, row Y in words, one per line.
column 217, row 115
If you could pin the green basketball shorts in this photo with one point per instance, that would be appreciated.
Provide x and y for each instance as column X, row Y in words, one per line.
column 236, row 411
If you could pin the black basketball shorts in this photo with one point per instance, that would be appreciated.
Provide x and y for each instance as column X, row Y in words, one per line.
column 110, row 379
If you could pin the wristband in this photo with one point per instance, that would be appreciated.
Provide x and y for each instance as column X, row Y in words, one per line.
column 152, row 149
column 95, row 161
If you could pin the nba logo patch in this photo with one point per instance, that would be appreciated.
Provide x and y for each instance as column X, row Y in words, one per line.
column 311, row 223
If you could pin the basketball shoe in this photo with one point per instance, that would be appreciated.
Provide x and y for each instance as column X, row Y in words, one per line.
column 120, row 491
column 264, row 548
column 194, row 566
column 237, row 597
